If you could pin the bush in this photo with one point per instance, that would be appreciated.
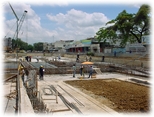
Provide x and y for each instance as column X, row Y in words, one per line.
column 22, row 51
column 90, row 53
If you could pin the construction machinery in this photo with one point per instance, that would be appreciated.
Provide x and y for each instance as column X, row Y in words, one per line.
column 19, row 24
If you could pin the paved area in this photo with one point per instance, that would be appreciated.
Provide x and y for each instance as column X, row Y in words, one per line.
column 62, row 77
column 9, row 100
column 85, row 104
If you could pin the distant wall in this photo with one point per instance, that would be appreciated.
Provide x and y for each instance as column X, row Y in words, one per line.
column 119, row 60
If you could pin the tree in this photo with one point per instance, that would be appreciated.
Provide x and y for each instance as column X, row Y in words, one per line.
column 38, row 46
column 141, row 24
column 105, row 33
column 21, row 45
column 30, row 47
column 18, row 43
column 14, row 44
column 127, row 27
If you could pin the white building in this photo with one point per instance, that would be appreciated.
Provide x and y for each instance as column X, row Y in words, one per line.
column 139, row 47
column 62, row 43
column 58, row 45
column 47, row 46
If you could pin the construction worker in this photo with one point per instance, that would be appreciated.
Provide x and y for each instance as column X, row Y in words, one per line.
column 82, row 70
column 90, row 71
column 74, row 70
column 86, row 58
column 22, row 72
column 41, row 72
column 77, row 58
column 90, row 58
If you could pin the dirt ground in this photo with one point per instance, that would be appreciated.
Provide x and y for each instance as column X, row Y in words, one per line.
column 119, row 95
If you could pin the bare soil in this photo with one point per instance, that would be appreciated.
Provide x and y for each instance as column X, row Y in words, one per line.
column 121, row 96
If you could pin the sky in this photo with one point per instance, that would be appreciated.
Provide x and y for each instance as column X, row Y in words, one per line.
column 52, row 21
column 61, row 19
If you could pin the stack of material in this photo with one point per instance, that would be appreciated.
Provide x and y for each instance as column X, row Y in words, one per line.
column 93, row 75
column 81, row 77
column 98, row 71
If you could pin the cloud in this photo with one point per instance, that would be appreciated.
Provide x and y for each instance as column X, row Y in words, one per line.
column 76, row 18
column 50, row 2
column 73, row 25
column 78, row 24
column 31, row 30
column 137, row 5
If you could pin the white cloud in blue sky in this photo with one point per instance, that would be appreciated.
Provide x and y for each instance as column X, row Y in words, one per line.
column 77, row 24
column 52, row 21
column 76, row 18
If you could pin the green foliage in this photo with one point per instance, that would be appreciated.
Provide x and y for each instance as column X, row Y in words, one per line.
column 30, row 47
column 14, row 44
column 25, row 46
column 90, row 53
column 106, row 33
column 127, row 27
column 21, row 45
column 38, row 46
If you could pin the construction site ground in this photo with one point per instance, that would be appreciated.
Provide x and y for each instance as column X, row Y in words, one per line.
column 109, row 93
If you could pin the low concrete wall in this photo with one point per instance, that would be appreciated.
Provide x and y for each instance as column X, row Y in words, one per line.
column 26, row 106
column 133, row 63
column 60, row 70
column 117, row 60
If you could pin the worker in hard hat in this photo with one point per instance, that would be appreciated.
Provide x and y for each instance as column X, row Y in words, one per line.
column 41, row 72
column 22, row 72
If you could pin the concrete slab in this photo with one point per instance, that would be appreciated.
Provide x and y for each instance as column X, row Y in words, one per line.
column 9, row 100
column 89, row 105
column 82, row 102
column 56, row 107
column 86, row 104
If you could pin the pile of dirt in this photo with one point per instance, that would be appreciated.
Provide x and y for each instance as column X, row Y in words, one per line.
column 119, row 95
